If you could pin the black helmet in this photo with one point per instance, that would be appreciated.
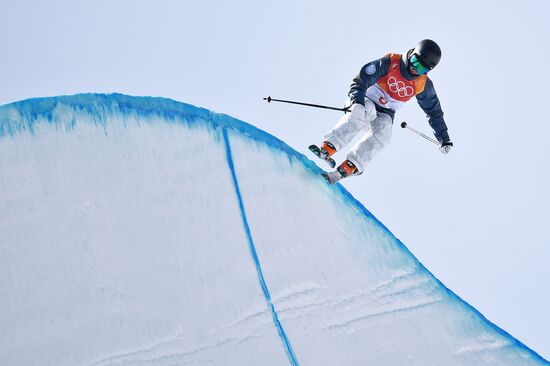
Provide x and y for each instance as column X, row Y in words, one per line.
column 428, row 52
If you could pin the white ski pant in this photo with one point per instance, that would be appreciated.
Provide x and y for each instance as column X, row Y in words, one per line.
column 377, row 128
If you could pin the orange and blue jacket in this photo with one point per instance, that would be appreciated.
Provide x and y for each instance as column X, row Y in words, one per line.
column 389, row 84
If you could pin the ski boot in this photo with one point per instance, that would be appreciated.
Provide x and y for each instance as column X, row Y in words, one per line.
column 345, row 169
column 325, row 152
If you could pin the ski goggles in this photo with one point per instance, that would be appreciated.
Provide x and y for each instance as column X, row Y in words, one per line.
column 417, row 65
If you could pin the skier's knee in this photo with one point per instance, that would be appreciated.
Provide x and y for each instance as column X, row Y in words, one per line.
column 382, row 131
column 383, row 137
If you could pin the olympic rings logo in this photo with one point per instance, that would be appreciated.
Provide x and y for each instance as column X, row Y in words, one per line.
column 400, row 88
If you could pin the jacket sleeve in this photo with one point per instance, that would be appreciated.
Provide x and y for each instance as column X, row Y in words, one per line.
column 368, row 76
column 429, row 102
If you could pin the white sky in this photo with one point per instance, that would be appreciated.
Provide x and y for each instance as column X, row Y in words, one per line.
column 476, row 218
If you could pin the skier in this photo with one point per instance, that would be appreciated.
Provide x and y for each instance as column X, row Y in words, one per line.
column 381, row 88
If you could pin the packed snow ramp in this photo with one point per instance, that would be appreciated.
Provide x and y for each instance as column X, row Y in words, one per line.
column 144, row 231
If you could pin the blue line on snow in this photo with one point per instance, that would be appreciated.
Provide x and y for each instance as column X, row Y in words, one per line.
column 282, row 334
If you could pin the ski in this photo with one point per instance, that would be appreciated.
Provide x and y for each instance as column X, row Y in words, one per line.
column 317, row 151
column 332, row 177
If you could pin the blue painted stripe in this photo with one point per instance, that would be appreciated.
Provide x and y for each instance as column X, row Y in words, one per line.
column 252, row 247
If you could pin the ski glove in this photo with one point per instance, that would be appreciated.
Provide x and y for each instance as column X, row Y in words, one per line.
column 445, row 147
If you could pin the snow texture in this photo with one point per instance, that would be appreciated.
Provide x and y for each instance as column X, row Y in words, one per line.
column 144, row 231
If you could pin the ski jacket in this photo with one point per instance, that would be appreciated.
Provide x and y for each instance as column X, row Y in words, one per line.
column 389, row 84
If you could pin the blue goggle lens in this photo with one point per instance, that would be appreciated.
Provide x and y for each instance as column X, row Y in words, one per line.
column 417, row 65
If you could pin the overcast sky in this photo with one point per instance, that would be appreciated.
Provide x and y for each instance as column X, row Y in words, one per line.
column 476, row 218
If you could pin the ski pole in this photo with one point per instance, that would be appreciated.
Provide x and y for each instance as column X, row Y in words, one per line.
column 404, row 125
column 269, row 100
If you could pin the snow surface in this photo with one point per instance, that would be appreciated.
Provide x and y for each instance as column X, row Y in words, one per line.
column 147, row 231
